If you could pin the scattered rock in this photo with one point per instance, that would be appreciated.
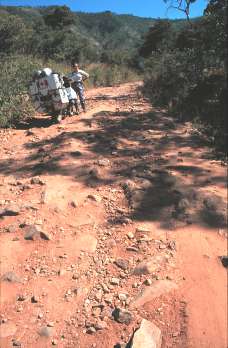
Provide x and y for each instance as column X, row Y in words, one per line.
column 31, row 233
column 37, row 181
column 108, row 298
column 121, row 345
column 130, row 235
column 132, row 248
column 46, row 331
column 98, row 295
column 21, row 297
column 10, row 210
column 134, row 285
column 62, row 272
column 142, row 229
column 172, row 245
column 147, row 336
column 91, row 330
column 95, row 198
column 104, row 162
column 224, row 260
column 148, row 282
column 96, row 312
column 123, row 220
column 122, row 297
column 45, row 235
column 50, row 324
column 122, row 263
column 101, row 325
column 122, row 316
column 34, row 299
column 11, row 277
column 74, row 203
column 162, row 246
column 115, row 281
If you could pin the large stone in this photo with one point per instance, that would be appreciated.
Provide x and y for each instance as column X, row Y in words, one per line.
column 10, row 210
column 122, row 316
column 31, row 233
column 224, row 260
column 44, row 235
column 157, row 289
column 147, row 336
column 122, row 263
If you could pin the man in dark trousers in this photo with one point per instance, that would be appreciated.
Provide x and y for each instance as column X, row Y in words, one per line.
column 77, row 76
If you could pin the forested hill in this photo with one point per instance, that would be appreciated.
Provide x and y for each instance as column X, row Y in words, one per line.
column 57, row 33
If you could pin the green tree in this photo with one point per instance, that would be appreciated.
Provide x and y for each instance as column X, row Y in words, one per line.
column 60, row 17
column 154, row 38
column 14, row 35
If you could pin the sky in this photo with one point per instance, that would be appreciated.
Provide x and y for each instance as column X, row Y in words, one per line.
column 142, row 8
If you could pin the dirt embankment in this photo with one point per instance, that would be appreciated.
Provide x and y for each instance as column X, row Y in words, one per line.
column 113, row 216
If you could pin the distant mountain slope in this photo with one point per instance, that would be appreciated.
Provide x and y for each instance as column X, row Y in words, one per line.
column 125, row 29
column 106, row 36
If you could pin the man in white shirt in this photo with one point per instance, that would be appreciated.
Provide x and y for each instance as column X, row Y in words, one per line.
column 77, row 77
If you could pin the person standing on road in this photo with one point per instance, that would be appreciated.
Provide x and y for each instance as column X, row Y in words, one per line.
column 77, row 76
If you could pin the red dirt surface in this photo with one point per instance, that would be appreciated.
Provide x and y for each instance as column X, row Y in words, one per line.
column 123, row 180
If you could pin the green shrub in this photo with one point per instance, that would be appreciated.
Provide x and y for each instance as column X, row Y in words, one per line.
column 186, row 72
column 110, row 75
column 15, row 75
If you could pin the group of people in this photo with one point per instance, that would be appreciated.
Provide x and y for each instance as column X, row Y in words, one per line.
column 75, row 88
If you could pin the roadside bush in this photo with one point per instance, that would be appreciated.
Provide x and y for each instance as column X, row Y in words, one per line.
column 110, row 75
column 15, row 74
column 14, row 103
column 186, row 72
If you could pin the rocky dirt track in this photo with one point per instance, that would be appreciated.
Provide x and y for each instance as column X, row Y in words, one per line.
column 114, row 216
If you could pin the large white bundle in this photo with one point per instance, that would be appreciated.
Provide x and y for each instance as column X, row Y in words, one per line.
column 46, row 72
column 54, row 81
column 47, row 91
column 60, row 98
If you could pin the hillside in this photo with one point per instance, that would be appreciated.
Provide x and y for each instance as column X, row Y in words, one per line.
column 93, row 37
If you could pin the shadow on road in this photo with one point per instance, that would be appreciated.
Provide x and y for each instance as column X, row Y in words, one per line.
column 146, row 151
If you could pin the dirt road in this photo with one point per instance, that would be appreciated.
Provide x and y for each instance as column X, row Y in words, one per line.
column 120, row 207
